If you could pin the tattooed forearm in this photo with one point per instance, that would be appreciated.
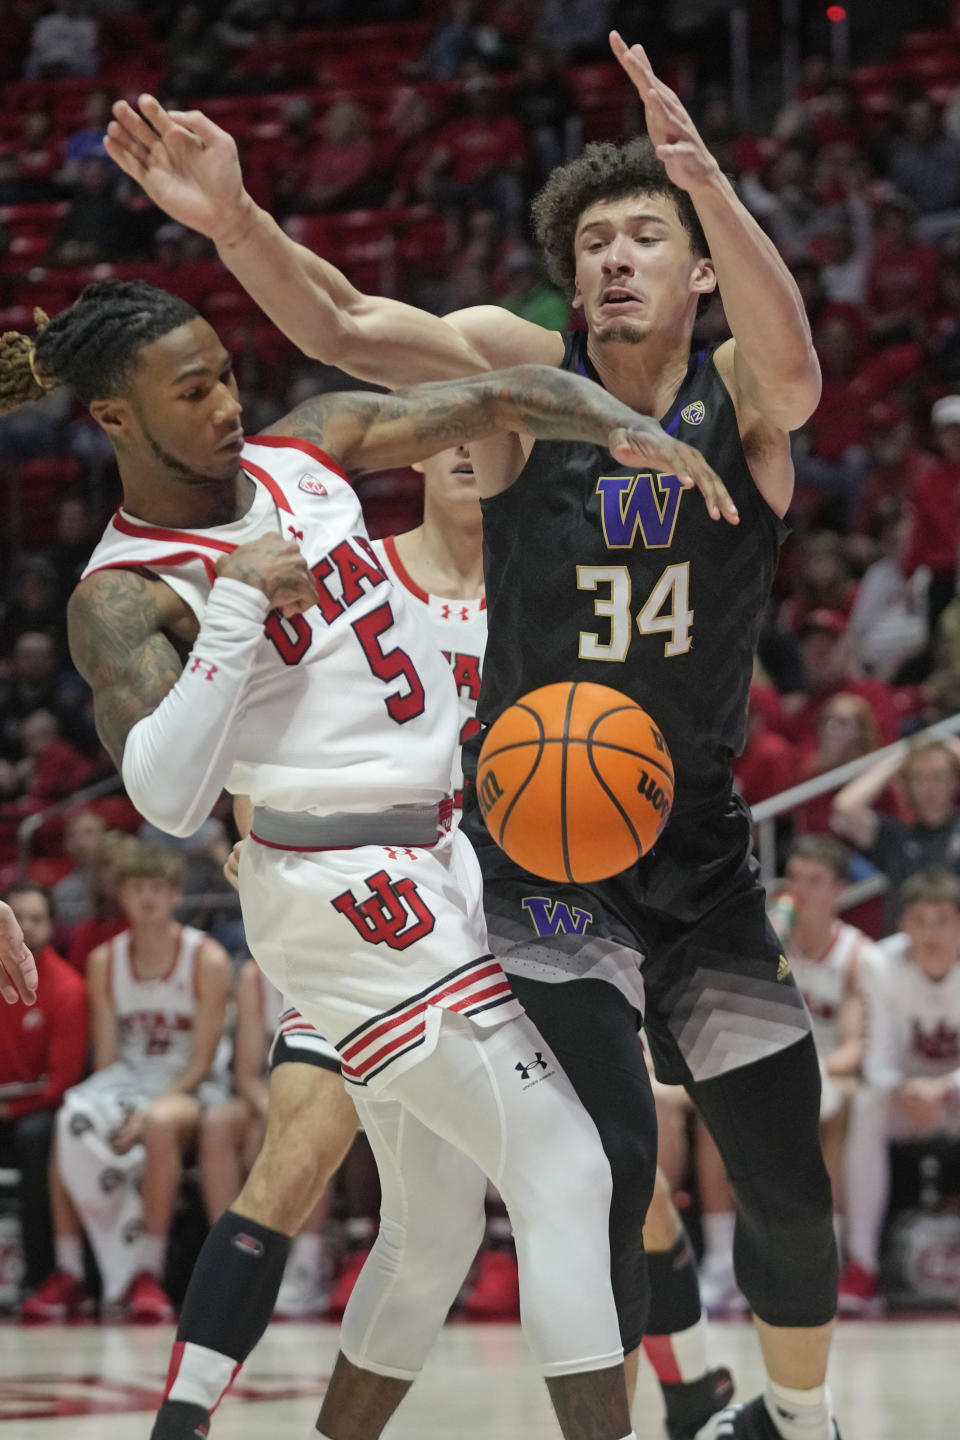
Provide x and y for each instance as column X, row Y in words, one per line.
column 113, row 624
column 366, row 431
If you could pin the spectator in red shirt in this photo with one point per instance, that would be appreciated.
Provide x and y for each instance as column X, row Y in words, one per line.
column 43, row 1051
column 845, row 730
column 904, row 277
column 828, row 667
column 107, row 919
column 339, row 171
column 935, row 536
column 823, row 579
column 892, row 466
column 50, row 769
column 480, row 158
column 768, row 765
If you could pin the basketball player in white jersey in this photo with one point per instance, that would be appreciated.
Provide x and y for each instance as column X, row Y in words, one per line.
column 311, row 1119
column 911, row 1065
column 237, row 629
column 157, row 996
column 827, row 957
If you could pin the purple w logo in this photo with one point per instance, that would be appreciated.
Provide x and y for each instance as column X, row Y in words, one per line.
column 647, row 502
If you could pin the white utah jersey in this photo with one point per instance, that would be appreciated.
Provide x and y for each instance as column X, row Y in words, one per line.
column 155, row 1018
column 824, row 980
column 461, row 630
column 348, row 707
column 913, row 1022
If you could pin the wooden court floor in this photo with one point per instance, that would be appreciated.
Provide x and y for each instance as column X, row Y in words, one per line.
column 892, row 1380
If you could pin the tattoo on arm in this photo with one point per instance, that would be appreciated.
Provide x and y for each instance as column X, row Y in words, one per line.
column 116, row 641
column 367, row 430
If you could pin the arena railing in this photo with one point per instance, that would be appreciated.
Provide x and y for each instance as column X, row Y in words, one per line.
column 767, row 812
column 29, row 826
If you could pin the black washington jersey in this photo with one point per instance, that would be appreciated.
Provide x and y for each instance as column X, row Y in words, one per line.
column 595, row 572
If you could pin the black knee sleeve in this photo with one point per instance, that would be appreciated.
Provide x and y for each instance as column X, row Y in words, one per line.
column 765, row 1119
column 592, row 1030
column 234, row 1286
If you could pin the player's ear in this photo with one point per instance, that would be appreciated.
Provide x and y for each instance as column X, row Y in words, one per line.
column 577, row 302
column 704, row 278
column 113, row 416
column 418, row 466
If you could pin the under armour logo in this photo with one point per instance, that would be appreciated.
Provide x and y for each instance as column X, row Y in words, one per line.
column 447, row 612
column 537, row 1063
column 199, row 664
column 294, row 533
column 403, row 850
column 385, row 917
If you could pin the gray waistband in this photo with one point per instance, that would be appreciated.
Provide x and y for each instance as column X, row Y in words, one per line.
column 400, row 825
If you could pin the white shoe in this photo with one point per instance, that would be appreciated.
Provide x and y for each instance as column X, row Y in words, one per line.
column 301, row 1294
column 719, row 1292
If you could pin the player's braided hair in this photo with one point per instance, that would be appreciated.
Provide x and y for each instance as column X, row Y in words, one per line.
column 92, row 346
column 603, row 172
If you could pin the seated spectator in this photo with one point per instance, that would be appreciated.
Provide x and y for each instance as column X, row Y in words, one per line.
column 904, row 276
column 157, row 1007
column 842, row 241
column 35, row 683
column 924, row 160
column 87, row 142
column 828, row 667
column 204, row 854
column 823, row 579
column 935, row 530
column 575, row 29
column 846, row 730
column 194, row 54
column 39, row 157
column 945, row 331
column 911, row 1066
column 106, row 918
column 74, row 895
column 545, row 106
column 889, row 623
column 768, row 765
column 928, row 772
column 892, row 463
column 782, row 199
column 35, row 602
column 452, row 45
column 828, row 959
column 96, row 227
column 63, row 42
column 531, row 295
column 43, row 1051
column 339, row 171
column 480, row 157
column 51, row 769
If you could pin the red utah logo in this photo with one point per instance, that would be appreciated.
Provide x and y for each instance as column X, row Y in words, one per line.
column 312, row 484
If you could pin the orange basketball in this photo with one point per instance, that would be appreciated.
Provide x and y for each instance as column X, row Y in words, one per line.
column 575, row 782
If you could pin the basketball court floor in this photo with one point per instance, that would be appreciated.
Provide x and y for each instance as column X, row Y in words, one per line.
column 892, row 1380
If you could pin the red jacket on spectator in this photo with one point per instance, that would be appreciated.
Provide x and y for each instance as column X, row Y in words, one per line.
column 48, row 1038
column 904, row 279
column 768, row 766
column 935, row 536
column 91, row 933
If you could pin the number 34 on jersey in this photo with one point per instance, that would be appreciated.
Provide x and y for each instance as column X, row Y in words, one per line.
column 646, row 504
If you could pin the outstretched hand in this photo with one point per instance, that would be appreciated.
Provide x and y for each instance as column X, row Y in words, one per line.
column 675, row 138
column 650, row 450
column 187, row 165
column 18, row 969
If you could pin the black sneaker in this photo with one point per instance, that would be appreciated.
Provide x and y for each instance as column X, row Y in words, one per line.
column 176, row 1420
column 690, row 1406
column 745, row 1422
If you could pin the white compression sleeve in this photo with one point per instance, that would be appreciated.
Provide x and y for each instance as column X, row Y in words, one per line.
column 176, row 760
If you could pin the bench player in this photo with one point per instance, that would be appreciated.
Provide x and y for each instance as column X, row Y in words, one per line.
column 653, row 599
column 311, row 1119
column 236, row 628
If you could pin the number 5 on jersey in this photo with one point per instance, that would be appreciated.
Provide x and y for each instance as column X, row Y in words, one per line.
column 666, row 610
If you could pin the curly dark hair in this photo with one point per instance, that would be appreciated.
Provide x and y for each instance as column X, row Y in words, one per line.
column 603, row 172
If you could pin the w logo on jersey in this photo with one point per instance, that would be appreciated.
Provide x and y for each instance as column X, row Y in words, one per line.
column 394, row 914
column 556, row 917
column 649, row 503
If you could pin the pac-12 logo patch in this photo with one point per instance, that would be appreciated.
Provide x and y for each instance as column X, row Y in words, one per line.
column 312, row 484
column 693, row 413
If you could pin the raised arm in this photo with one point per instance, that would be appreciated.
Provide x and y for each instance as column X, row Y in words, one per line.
column 852, row 814
column 373, row 432
column 190, row 168
column 775, row 369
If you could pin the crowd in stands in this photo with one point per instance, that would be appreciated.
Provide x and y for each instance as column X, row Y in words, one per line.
column 403, row 141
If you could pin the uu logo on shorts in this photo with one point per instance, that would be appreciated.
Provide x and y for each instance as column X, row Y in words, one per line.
column 312, row 484
column 385, row 917
column 693, row 413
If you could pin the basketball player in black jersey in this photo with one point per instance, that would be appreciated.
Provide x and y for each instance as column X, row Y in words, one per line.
column 594, row 572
